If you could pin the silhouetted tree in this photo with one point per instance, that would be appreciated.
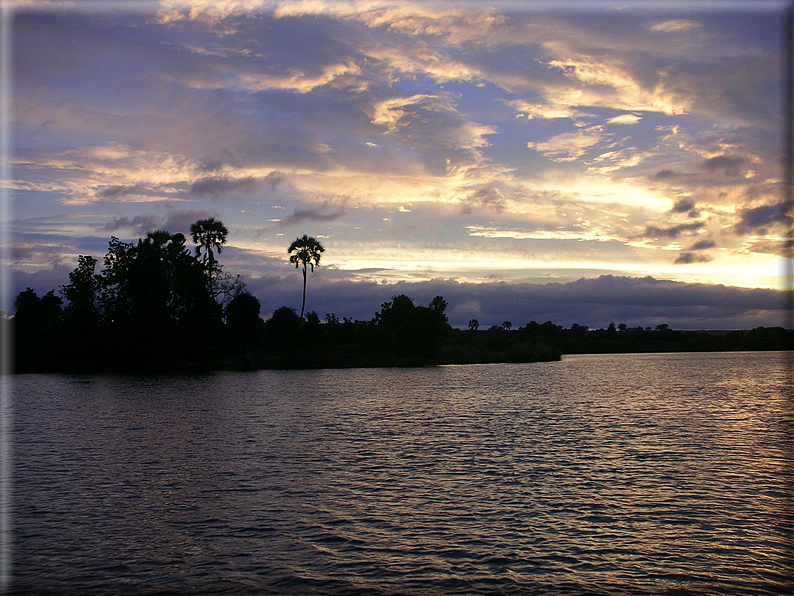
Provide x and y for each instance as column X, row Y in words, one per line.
column 312, row 320
column 474, row 324
column 412, row 330
column 82, row 292
column 242, row 320
column 157, row 289
column 209, row 234
column 308, row 251
column 507, row 325
column 82, row 318
column 35, row 323
column 283, row 325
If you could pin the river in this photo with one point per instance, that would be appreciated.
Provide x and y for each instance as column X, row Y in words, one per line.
column 640, row 473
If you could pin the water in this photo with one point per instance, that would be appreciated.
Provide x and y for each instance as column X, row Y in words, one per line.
column 663, row 473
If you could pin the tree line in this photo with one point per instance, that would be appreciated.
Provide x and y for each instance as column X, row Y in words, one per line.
column 158, row 305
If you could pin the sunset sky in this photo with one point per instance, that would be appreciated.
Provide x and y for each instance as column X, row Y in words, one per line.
column 576, row 162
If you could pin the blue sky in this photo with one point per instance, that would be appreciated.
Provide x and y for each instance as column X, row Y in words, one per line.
column 511, row 155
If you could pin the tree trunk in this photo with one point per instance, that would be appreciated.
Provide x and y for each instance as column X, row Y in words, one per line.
column 303, row 304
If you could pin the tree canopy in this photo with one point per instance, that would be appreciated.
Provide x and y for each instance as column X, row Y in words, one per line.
column 305, row 251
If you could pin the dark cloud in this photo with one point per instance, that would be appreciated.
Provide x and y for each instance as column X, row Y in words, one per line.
column 664, row 175
column 686, row 258
column 178, row 220
column 686, row 206
column 702, row 245
column 732, row 166
column 114, row 192
column 770, row 247
column 275, row 180
column 121, row 191
column 593, row 302
column 301, row 215
column 212, row 165
column 139, row 224
column 488, row 197
column 683, row 206
column 759, row 218
column 41, row 281
column 673, row 231
column 222, row 187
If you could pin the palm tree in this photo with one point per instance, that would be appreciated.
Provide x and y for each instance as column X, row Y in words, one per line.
column 209, row 234
column 307, row 251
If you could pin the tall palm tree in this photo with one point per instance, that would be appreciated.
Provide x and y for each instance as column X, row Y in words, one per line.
column 307, row 252
column 209, row 234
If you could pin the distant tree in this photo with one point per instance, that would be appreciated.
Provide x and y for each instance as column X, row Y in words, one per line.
column 622, row 327
column 283, row 325
column 209, row 234
column 312, row 319
column 578, row 331
column 82, row 317
column 36, row 322
column 158, row 238
column 242, row 319
column 412, row 330
column 474, row 324
column 82, row 291
column 507, row 325
column 439, row 305
column 308, row 251
column 331, row 319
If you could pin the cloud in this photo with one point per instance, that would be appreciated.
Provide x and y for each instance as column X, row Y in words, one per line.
column 223, row 187
column 138, row 224
column 178, row 220
column 488, row 197
column 673, row 26
column 759, row 218
column 325, row 213
column 730, row 165
column 673, row 231
column 597, row 81
column 683, row 205
column 686, row 206
column 452, row 25
column 686, row 258
column 543, row 111
column 624, row 119
column 140, row 192
column 594, row 302
column 702, row 245
column 664, row 175
column 113, row 192
column 568, row 146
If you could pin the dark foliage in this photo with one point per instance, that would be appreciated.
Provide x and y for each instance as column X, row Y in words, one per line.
column 149, row 308
column 155, row 305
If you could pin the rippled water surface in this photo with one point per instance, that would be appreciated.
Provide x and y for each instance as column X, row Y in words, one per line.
column 634, row 473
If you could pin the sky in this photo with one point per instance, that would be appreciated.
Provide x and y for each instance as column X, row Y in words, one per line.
column 580, row 162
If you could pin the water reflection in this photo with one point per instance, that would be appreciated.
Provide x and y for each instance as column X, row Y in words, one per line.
column 647, row 473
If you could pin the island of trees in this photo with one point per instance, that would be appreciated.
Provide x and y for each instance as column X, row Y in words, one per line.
column 157, row 305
